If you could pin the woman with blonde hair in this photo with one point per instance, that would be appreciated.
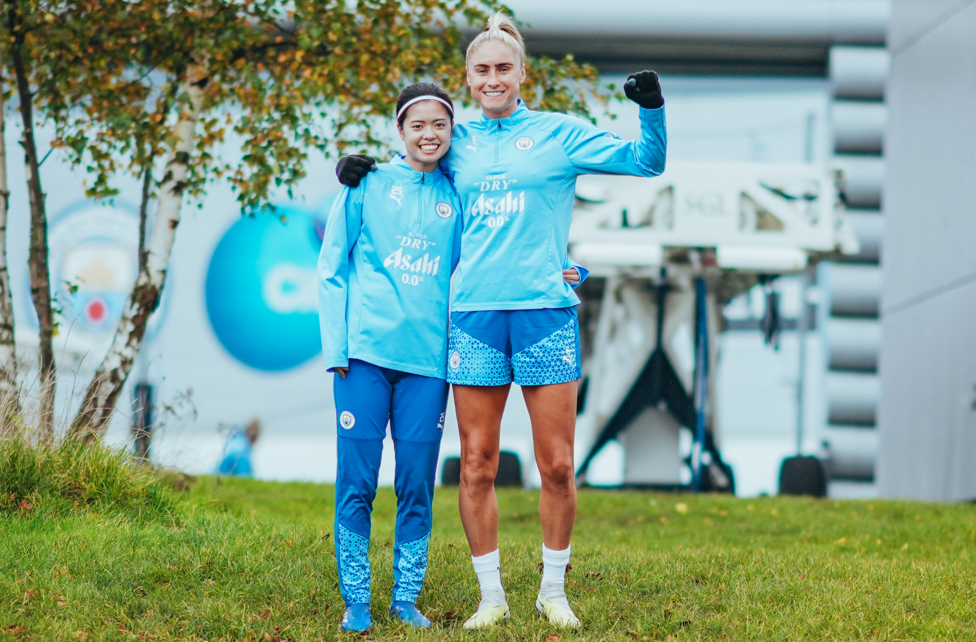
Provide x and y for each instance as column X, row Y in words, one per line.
column 512, row 317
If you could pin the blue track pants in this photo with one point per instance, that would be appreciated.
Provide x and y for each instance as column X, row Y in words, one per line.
column 367, row 400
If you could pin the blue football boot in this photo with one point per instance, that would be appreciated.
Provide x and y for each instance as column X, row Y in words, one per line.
column 357, row 618
column 408, row 613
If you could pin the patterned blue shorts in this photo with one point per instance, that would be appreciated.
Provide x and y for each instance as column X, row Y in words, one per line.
column 529, row 347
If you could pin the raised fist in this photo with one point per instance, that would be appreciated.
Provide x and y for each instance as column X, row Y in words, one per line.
column 644, row 88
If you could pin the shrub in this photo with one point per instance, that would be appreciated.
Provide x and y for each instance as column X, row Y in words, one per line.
column 52, row 479
column 22, row 471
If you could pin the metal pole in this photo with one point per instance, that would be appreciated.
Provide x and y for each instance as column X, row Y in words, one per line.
column 801, row 321
column 701, row 381
column 801, row 333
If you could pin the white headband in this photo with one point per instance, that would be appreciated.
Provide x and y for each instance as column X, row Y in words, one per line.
column 403, row 109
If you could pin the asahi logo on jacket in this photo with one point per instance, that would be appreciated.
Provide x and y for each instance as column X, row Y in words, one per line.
column 510, row 203
column 406, row 262
column 424, row 265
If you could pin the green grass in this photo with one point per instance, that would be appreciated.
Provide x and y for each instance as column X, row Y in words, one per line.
column 56, row 480
column 250, row 560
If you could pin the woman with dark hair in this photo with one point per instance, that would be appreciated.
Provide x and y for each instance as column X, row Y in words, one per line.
column 512, row 320
column 389, row 249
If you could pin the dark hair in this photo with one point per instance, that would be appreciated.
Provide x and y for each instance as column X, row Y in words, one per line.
column 421, row 89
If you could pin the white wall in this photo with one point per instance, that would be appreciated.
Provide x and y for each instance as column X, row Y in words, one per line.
column 928, row 359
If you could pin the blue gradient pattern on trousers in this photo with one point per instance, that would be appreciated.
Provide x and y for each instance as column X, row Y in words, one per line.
column 516, row 178
column 409, row 569
column 529, row 347
column 384, row 271
column 352, row 553
column 368, row 399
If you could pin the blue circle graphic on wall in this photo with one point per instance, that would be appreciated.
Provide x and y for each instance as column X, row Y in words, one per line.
column 261, row 289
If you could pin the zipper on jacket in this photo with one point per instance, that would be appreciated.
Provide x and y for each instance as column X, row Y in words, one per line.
column 497, row 137
column 423, row 184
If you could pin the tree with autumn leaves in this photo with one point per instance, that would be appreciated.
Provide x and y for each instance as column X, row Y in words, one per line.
column 152, row 89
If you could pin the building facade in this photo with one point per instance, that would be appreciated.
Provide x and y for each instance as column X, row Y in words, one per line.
column 927, row 414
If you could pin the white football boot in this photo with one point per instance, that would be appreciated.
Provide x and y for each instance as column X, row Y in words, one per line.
column 557, row 612
column 487, row 615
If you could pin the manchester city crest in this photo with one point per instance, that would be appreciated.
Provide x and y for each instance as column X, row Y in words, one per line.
column 444, row 210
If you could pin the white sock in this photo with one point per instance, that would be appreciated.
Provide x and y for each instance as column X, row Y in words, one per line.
column 554, row 576
column 488, row 569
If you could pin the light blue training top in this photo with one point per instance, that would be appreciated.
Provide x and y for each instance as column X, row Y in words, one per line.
column 237, row 456
column 516, row 178
column 385, row 268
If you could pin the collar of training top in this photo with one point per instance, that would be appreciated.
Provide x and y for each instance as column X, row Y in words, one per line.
column 521, row 113
column 413, row 175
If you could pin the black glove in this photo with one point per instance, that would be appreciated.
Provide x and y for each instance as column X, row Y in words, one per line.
column 352, row 169
column 644, row 89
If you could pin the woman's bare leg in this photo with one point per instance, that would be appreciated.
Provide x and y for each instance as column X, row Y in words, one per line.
column 552, row 409
column 479, row 413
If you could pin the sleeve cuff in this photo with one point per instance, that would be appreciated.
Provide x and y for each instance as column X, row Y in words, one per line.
column 651, row 115
column 583, row 273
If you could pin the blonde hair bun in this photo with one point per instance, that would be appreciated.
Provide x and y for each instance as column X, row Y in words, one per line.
column 502, row 28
